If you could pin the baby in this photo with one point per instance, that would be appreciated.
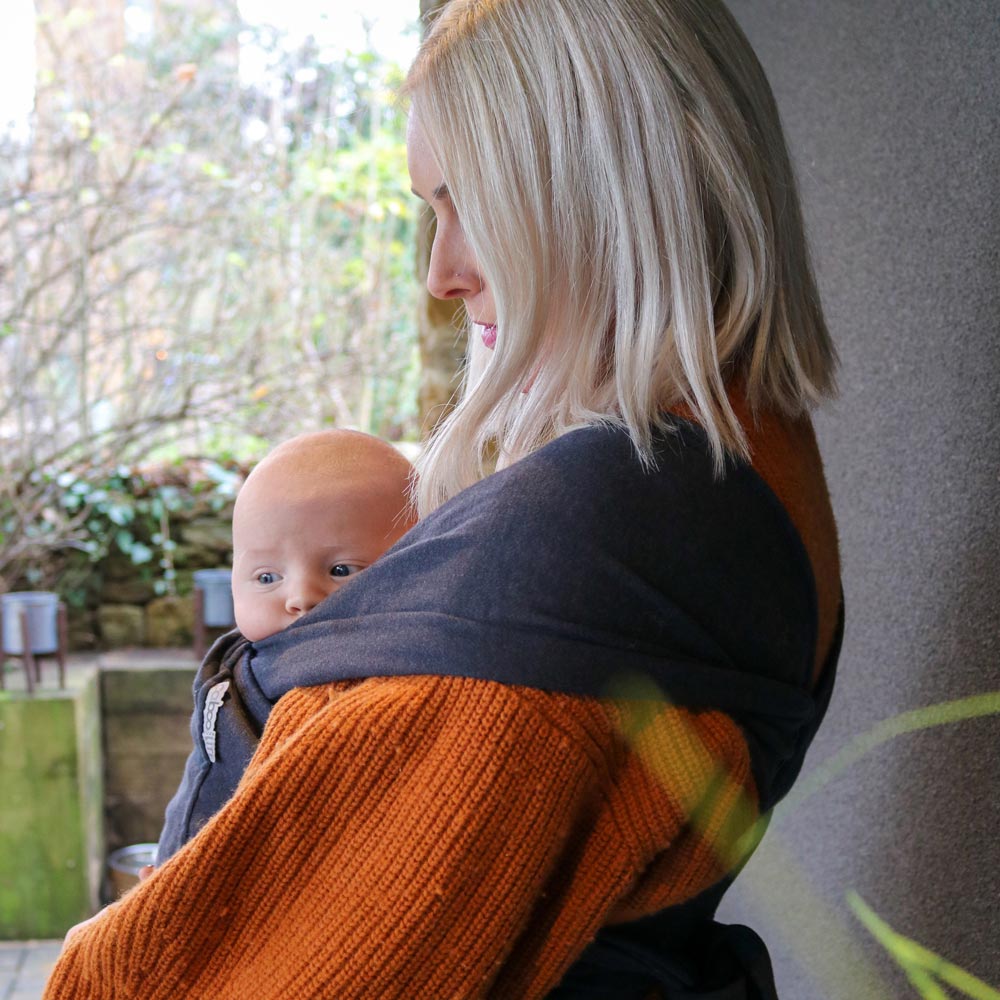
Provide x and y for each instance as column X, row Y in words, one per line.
column 314, row 513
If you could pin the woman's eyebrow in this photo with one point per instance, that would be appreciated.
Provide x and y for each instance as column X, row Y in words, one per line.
column 441, row 191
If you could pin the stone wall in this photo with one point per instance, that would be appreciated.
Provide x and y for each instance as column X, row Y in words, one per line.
column 146, row 714
column 121, row 606
column 87, row 770
column 51, row 850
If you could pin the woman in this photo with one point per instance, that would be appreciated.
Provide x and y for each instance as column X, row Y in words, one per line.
column 529, row 747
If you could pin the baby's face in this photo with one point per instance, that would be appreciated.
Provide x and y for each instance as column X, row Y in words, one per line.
column 291, row 551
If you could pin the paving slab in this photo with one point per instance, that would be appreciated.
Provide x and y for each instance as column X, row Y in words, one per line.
column 25, row 968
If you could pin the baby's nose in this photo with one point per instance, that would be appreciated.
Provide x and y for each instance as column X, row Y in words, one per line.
column 304, row 599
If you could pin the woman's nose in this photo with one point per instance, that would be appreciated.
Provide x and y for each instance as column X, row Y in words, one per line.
column 453, row 272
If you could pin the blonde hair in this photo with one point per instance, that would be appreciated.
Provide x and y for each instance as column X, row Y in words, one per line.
column 621, row 175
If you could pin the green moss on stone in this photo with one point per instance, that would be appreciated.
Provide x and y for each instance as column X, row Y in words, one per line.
column 50, row 839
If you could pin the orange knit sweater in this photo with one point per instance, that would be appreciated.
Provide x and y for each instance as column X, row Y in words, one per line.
column 446, row 837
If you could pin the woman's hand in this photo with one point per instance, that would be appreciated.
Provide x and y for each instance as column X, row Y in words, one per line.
column 76, row 928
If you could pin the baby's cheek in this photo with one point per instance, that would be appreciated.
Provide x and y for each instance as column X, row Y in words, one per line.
column 252, row 616
column 243, row 620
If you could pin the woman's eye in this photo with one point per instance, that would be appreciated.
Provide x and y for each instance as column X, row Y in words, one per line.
column 266, row 578
column 342, row 569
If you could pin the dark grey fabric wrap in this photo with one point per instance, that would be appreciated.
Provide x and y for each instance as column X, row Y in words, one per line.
column 575, row 570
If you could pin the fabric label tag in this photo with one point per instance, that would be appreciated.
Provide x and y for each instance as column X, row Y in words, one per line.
column 213, row 702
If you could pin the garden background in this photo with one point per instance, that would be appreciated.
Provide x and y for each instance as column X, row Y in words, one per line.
column 193, row 265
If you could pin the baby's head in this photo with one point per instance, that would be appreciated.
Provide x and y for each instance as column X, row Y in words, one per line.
column 318, row 509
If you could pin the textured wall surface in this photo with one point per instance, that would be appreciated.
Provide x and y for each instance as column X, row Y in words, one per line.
column 147, row 738
column 50, row 822
column 892, row 112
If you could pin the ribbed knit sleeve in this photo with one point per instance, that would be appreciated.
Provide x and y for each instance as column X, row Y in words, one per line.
column 426, row 837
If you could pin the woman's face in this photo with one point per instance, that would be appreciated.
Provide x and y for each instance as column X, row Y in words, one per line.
column 454, row 271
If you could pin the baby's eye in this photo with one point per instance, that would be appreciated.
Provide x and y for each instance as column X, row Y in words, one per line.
column 266, row 578
column 343, row 569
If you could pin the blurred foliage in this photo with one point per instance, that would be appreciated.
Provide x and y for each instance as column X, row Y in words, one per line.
column 928, row 972
column 127, row 514
column 776, row 881
column 194, row 263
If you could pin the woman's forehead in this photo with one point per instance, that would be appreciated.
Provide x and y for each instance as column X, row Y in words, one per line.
column 425, row 172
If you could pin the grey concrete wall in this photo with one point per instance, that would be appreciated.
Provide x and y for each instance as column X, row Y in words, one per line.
column 51, row 844
column 892, row 111
column 146, row 713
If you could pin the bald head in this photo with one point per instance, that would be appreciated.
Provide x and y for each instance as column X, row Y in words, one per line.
column 328, row 462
